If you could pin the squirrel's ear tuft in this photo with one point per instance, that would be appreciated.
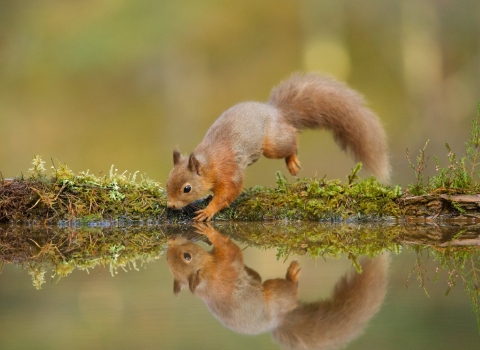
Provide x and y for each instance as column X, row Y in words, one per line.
column 194, row 281
column 176, row 156
column 194, row 165
column 176, row 287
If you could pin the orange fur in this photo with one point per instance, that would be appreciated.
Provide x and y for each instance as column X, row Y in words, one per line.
column 247, row 130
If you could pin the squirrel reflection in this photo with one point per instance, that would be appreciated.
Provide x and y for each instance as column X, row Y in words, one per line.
column 236, row 296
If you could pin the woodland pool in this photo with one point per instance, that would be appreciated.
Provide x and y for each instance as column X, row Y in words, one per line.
column 109, row 286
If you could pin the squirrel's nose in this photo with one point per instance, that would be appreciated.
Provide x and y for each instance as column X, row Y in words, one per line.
column 170, row 205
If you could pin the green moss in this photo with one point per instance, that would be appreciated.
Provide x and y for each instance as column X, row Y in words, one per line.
column 66, row 197
column 69, row 198
column 316, row 199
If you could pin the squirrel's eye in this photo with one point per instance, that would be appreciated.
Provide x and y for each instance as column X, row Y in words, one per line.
column 187, row 256
column 187, row 189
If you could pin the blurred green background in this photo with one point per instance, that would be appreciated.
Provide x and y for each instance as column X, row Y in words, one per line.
column 95, row 83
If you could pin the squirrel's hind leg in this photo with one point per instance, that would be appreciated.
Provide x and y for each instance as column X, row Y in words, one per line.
column 281, row 142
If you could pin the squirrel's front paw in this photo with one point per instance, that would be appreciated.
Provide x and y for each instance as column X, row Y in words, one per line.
column 203, row 215
column 204, row 228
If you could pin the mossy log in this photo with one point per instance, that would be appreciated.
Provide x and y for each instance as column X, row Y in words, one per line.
column 66, row 198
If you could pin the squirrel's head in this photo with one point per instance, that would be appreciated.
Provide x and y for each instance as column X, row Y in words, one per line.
column 186, row 182
column 185, row 260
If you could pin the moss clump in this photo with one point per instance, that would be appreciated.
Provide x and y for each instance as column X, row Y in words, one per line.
column 316, row 199
column 78, row 198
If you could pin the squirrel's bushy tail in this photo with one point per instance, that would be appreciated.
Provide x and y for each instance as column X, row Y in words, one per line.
column 318, row 102
column 333, row 323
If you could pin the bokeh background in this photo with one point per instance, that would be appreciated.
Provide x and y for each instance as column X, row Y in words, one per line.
column 96, row 83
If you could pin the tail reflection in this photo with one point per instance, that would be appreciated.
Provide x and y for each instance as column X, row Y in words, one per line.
column 236, row 296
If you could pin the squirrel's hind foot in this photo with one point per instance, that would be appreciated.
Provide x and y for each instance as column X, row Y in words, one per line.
column 293, row 164
column 293, row 272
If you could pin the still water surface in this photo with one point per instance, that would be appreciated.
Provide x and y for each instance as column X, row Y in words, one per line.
column 135, row 307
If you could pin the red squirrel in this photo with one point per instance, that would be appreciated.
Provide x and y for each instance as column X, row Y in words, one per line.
column 247, row 130
column 236, row 296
